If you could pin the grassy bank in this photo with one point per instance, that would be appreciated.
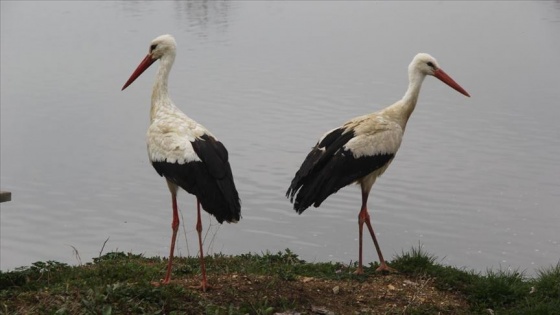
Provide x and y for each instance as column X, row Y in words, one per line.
column 120, row 283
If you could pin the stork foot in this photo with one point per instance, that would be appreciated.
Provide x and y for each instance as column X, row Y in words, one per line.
column 359, row 271
column 384, row 268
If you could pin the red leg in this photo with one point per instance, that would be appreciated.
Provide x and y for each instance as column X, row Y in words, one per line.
column 361, row 221
column 174, row 227
column 363, row 217
column 203, row 283
column 383, row 265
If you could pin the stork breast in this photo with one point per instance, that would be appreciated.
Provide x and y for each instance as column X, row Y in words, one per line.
column 171, row 146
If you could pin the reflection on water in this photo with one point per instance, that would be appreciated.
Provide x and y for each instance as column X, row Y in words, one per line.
column 204, row 15
column 474, row 181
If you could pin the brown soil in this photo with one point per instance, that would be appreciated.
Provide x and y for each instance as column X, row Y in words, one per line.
column 379, row 294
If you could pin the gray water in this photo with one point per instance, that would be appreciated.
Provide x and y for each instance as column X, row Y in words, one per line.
column 476, row 181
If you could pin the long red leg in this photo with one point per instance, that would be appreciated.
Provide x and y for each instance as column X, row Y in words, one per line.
column 363, row 217
column 203, row 283
column 174, row 227
column 383, row 265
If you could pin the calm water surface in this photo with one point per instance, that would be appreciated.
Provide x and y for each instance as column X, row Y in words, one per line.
column 476, row 181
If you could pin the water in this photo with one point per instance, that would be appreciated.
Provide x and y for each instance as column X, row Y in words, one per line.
column 475, row 181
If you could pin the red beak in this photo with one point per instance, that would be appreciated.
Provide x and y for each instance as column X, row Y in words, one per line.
column 145, row 64
column 440, row 74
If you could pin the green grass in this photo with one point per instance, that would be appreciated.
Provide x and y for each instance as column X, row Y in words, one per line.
column 503, row 292
column 121, row 283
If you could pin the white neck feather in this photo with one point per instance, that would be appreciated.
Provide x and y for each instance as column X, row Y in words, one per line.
column 408, row 102
column 160, row 94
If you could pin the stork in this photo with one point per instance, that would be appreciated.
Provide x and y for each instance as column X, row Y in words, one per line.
column 186, row 153
column 360, row 150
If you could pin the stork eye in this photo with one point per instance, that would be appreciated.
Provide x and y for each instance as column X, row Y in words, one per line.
column 431, row 64
column 153, row 47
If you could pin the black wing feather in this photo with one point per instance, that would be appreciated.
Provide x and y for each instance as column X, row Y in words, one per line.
column 214, row 155
column 210, row 179
column 319, row 155
column 326, row 171
column 341, row 170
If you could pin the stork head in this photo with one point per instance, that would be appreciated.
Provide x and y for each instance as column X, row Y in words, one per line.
column 163, row 45
column 425, row 64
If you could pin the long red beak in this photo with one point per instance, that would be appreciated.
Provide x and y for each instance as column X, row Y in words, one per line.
column 145, row 64
column 440, row 74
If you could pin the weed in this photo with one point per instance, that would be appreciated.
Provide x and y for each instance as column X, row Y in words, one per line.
column 117, row 283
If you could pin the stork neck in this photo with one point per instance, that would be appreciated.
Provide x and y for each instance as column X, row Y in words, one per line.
column 410, row 98
column 160, row 94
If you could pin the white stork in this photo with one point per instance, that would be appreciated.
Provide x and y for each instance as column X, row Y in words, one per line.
column 186, row 153
column 361, row 150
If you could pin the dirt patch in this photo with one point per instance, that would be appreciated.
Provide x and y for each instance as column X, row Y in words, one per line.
column 387, row 294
